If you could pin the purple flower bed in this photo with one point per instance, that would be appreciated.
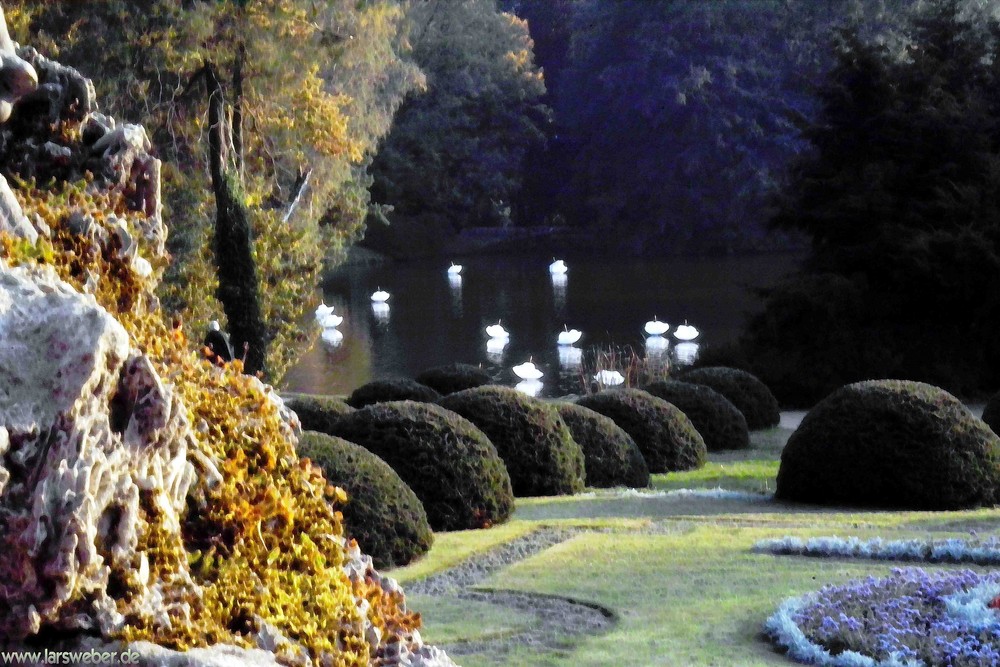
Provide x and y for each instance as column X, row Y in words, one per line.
column 911, row 618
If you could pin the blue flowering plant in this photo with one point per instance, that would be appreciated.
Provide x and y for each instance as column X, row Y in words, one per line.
column 912, row 618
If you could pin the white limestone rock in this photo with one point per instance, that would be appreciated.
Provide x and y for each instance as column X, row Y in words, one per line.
column 12, row 218
column 92, row 443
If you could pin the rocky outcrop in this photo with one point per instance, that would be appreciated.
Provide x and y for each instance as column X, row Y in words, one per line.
column 100, row 469
column 37, row 96
column 89, row 434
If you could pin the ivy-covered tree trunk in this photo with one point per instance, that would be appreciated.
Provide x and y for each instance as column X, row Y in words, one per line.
column 238, row 289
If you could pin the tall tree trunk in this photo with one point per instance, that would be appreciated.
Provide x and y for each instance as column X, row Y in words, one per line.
column 237, row 272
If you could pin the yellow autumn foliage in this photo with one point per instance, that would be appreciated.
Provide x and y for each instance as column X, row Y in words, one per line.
column 265, row 541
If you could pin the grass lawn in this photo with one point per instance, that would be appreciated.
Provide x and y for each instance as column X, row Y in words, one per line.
column 677, row 571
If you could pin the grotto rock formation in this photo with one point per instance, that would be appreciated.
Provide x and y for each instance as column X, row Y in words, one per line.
column 88, row 434
column 98, row 462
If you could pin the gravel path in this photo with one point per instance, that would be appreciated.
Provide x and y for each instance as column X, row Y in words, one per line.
column 554, row 619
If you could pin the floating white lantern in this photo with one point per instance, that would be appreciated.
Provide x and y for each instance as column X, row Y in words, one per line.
column 655, row 327
column 527, row 371
column 380, row 296
column 609, row 378
column 686, row 332
column 497, row 331
column 454, row 269
column 322, row 311
column 331, row 321
column 558, row 267
column 569, row 336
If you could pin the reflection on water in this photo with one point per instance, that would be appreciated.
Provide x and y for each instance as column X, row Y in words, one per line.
column 495, row 348
column 559, row 284
column 332, row 337
column 381, row 313
column 570, row 358
column 437, row 320
column 686, row 353
column 530, row 387
column 455, row 285
column 657, row 346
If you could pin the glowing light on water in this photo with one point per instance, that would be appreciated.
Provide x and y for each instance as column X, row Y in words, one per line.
column 686, row 353
column 655, row 327
column 569, row 336
column 609, row 378
column 527, row 371
column 529, row 387
column 570, row 357
column 381, row 312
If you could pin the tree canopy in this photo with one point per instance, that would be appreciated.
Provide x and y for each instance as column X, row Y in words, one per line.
column 900, row 197
column 310, row 88
column 454, row 156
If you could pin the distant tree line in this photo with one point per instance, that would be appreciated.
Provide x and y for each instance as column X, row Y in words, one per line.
column 866, row 129
column 899, row 195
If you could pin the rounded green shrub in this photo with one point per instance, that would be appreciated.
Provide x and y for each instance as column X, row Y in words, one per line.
column 530, row 436
column 317, row 412
column 745, row 391
column 718, row 421
column 891, row 443
column 454, row 377
column 449, row 463
column 991, row 414
column 667, row 439
column 612, row 457
column 382, row 513
column 395, row 389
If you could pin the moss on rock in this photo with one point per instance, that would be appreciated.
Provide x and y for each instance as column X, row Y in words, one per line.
column 667, row 439
column 317, row 412
column 395, row 389
column 718, row 421
column 744, row 390
column 891, row 443
column 612, row 457
column 530, row 436
column 449, row 463
column 454, row 377
column 382, row 513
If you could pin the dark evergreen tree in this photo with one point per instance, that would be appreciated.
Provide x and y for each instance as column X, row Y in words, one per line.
column 901, row 199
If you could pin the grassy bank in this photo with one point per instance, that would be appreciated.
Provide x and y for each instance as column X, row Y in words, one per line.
column 677, row 570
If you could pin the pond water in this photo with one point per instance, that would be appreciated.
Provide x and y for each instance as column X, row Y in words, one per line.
column 432, row 318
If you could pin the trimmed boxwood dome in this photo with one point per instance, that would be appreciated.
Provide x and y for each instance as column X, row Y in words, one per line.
column 395, row 389
column 316, row 412
column 891, row 443
column 612, row 457
column 449, row 463
column 454, row 377
column 382, row 513
column 530, row 436
column 991, row 414
column 667, row 439
column 718, row 421
column 745, row 391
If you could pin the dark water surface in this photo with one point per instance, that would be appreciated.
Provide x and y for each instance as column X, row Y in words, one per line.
column 432, row 320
